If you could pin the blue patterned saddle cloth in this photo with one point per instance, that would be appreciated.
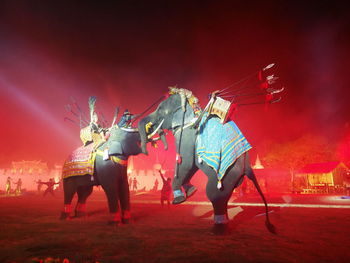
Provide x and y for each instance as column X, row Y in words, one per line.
column 219, row 145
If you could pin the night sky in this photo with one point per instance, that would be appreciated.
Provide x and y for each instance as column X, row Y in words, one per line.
column 127, row 53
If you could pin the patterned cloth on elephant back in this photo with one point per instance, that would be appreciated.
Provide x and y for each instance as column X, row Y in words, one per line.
column 80, row 162
column 219, row 145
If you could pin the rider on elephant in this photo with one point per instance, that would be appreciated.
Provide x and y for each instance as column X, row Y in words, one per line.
column 102, row 161
column 183, row 164
column 125, row 120
column 207, row 142
column 93, row 133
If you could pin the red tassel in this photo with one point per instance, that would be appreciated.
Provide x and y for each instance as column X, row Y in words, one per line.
column 81, row 207
column 115, row 217
column 268, row 97
column 231, row 112
column 264, row 85
column 126, row 214
column 260, row 75
column 178, row 158
column 67, row 208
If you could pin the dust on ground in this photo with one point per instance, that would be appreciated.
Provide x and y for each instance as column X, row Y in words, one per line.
column 30, row 231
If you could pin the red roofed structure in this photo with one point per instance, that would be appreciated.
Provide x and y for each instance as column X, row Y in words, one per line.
column 322, row 177
column 320, row 167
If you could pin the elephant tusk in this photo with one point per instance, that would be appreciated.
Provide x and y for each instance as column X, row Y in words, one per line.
column 156, row 130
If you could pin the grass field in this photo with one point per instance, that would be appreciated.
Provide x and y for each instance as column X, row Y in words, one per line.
column 30, row 231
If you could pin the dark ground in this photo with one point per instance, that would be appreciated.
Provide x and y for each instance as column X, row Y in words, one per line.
column 30, row 231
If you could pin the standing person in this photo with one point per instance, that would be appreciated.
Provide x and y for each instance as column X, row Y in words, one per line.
column 18, row 184
column 8, row 186
column 50, row 184
column 134, row 184
column 93, row 133
column 39, row 186
column 166, row 189
column 155, row 186
column 130, row 182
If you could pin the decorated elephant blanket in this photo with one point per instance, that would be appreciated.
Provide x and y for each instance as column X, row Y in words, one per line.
column 80, row 162
column 219, row 145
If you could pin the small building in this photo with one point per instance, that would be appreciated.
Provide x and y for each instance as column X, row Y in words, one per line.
column 29, row 167
column 327, row 177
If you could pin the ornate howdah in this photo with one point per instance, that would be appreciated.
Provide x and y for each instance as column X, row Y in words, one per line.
column 80, row 162
column 220, row 108
column 220, row 145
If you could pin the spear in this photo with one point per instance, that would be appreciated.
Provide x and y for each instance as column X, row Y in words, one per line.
column 82, row 116
column 104, row 121
column 81, row 121
column 146, row 110
column 72, row 121
column 246, row 78
column 92, row 102
column 115, row 116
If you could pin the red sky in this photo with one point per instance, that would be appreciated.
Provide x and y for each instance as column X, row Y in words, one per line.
column 128, row 53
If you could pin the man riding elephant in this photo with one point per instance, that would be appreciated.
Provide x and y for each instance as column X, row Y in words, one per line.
column 100, row 161
column 93, row 133
column 126, row 119
column 203, row 141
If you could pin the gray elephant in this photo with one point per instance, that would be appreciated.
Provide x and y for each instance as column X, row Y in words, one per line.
column 178, row 113
column 109, row 171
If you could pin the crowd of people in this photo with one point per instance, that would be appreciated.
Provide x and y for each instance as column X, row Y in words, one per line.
column 18, row 190
column 15, row 187
column 165, row 191
column 95, row 134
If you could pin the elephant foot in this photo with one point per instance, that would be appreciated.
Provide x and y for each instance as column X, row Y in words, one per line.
column 221, row 230
column 113, row 223
column 80, row 214
column 179, row 199
column 65, row 216
column 191, row 191
column 126, row 216
column 114, row 220
column 126, row 221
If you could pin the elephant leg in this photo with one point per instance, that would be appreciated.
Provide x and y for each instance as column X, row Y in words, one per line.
column 220, row 197
column 124, row 198
column 69, row 188
column 186, row 167
column 248, row 171
column 182, row 179
column 109, row 175
column 113, row 205
column 83, row 193
column 113, row 201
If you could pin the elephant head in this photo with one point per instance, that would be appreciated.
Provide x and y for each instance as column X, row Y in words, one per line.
column 148, row 127
column 124, row 142
column 170, row 114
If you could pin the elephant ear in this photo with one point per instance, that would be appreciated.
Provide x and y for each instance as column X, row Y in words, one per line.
column 131, row 143
column 124, row 142
column 177, row 118
column 115, row 148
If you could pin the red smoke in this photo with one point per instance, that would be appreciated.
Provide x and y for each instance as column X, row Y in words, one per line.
column 127, row 55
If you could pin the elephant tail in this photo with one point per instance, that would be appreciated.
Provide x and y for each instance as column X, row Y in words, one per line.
column 250, row 174
column 268, row 224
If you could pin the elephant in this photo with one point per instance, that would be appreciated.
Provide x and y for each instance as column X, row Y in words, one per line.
column 177, row 113
column 110, row 172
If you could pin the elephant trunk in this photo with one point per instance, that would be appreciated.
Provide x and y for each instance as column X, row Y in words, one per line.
column 163, row 138
column 143, row 134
